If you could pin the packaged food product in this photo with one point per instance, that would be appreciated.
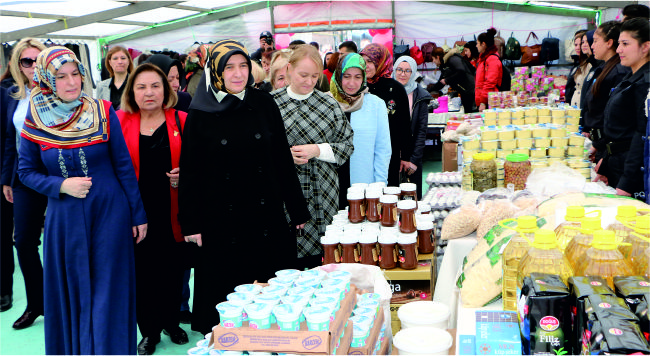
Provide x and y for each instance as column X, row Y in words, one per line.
column 480, row 282
column 573, row 112
column 538, row 163
column 580, row 242
column 544, row 315
column 530, row 111
column 572, row 120
column 558, row 121
column 543, row 111
column 543, row 257
column 518, row 121
column 572, row 219
column 506, row 133
column 557, row 131
column 489, row 145
column 469, row 142
column 503, row 153
column 538, row 152
column 460, row 222
column 488, row 133
column 541, row 131
column 490, row 114
column 516, row 170
column 524, row 132
column 558, row 112
column 576, row 140
column 604, row 259
column 581, row 288
column 517, row 113
column 530, row 120
column 504, row 122
column 484, row 171
column 524, row 142
column 543, row 119
column 615, row 337
column 490, row 122
column 542, row 142
column 559, row 141
column 493, row 212
column 575, row 151
column 508, row 144
column 523, row 151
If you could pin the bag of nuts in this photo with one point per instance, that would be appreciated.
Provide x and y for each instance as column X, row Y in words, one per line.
column 460, row 222
column 494, row 211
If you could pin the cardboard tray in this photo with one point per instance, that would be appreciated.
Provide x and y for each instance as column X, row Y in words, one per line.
column 302, row 341
column 371, row 340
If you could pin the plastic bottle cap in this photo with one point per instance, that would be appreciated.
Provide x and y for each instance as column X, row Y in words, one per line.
column 424, row 225
column 392, row 190
column 355, row 194
column 517, row 157
column 388, row 199
column 545, row 239
column 527, row 222
column 484, row 156
column 573, row 213
column 590, row 224
column 642, row 223
column 408, row 187
column 626, row 212
column 604, row 240
column 405, row 239
column 373, row 193
column 406, row 204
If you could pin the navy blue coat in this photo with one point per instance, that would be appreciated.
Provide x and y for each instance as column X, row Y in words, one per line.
column 9, row 155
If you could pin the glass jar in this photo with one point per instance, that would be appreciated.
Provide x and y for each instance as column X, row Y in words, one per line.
column 484, row 172
column 516, row 168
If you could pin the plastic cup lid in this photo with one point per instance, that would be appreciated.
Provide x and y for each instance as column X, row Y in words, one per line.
column 387, row 237
column 238, row 297
column 408, row 187
column 355, row 194
column 392, row 190
column 406, row 204
column 410, row 238
column 379, row 185
column 424, row 224
column 359, row 185
column 368, row 237
column 388, row 199
column 373, row 193
column 288, row 273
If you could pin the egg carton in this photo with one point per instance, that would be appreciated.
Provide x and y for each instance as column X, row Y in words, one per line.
column 444, row 179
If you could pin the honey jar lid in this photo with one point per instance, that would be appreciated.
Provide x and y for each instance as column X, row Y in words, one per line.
column 483, row 156
column 517, row 157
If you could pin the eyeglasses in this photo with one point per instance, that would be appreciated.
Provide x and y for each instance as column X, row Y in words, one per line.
column 27, row 62
column 400, row 70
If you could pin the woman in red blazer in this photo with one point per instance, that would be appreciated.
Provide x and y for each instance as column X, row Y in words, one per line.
column 152, row 131
column 488, row 68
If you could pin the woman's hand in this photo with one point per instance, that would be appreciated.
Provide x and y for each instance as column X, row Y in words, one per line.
column 623, row 193
column 174, row 175
column 140, row 232
column 443, row 81
column 592, row 156
column 587, row 135
column 8, row 192
column 194, row 238
column 303, row 153
column 407, row 167
column 481, row 107
column 77, row 187
column 301, row 226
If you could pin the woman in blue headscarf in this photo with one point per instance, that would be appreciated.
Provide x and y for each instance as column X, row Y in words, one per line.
column 405, row 71
column 73, row 152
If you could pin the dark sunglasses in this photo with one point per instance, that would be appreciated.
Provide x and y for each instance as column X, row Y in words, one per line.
column 27, row 62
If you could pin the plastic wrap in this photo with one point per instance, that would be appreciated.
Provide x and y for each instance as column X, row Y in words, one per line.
column 461, row 222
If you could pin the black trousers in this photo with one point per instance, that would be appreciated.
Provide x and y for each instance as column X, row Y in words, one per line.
column 29, row 211
column 7, row 265
column 159, row 277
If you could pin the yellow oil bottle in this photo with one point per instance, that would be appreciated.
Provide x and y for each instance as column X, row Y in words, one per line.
column 543, row 257
column 638, row 239
column 604, row 259
column 573, row 217
column 642, row 264
column 580, row 242
column 625, row 217
column 516, row 248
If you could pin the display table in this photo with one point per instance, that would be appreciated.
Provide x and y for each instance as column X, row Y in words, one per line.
column 446, row 291
column 441, row 118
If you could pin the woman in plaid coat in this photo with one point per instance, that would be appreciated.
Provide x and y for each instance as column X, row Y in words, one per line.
column 320, row 137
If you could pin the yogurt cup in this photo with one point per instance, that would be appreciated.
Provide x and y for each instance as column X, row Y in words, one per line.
column 362, row 320
column 367, row 312
column 313, row 282
column 373, row 296
column 302, row 291
column 301, row 300
column 275, row 290
column 287, row 316
column 231, row 315
column 208, row 335
column 259, row 315
column 423, row 340
column 215, row 352
column 289, row 273
column 329, row 302
column 337, row 282
column 240, row 298
column 331, row 291
column 368, row 303
column 198, row 351
column 203, row 343
column 318, row 318
column 359, row 335
column 345, row 275
column 249, row 288
column 271, row 299
column 281, row 281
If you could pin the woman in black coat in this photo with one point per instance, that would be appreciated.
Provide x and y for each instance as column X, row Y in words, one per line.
column 379, row 66
column 458, row 73
column 238, row 175
column 405, row 72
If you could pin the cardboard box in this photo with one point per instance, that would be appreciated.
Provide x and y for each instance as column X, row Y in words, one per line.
column 371, row 340
column 385, row 345
column 346, row 340
column 395, row 323
column 449, row 156
column 405, row 291
column 302, row 341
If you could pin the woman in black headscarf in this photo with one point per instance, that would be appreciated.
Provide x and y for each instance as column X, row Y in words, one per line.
column 175, row 73
column 238, row 175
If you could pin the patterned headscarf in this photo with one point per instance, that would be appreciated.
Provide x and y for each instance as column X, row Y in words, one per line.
column 348, row 102
column 411, row 84
column 382, row 59
column 219, row 55
column 47, row 105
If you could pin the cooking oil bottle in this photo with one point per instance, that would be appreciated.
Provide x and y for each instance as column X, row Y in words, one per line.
column 580, row 243
column 516, row 248
column 573, row 217
column 543, row 257
column 642, row 268
column 638, row 239
column 625, row 217
column 604, row 259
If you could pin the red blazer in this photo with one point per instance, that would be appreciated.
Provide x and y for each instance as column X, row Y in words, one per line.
column 488, row 75
column 131, row 128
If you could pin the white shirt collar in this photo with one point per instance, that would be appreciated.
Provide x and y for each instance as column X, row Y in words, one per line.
column 296, row 96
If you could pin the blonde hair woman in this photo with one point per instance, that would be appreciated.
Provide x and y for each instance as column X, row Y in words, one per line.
column 320, row 137
column 278, row 71
column 28, row 205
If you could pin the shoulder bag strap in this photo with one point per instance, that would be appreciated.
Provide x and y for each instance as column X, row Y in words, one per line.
column 178, row 123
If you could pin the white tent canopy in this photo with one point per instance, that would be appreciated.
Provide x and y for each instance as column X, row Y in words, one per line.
column 176, row 25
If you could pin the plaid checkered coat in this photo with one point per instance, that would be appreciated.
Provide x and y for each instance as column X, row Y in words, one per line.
column 317, row 119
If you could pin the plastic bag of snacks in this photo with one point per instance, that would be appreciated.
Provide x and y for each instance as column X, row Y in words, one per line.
column 521, row 72
column 460, row 222
column 480, row 282
column 492, row 213
column 546, row 83
column 538, row 71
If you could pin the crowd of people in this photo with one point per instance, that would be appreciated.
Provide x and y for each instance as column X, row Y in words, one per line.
column 227, row 161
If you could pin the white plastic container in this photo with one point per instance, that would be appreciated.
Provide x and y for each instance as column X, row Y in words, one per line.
column 424, row 313
column 318, row 318
column 231, row 315
column 287, row 316
column 249, row 288
column 290, row 273
column 422, row 340
column 259, row 315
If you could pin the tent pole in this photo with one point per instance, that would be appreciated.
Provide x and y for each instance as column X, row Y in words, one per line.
column 271, row 9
